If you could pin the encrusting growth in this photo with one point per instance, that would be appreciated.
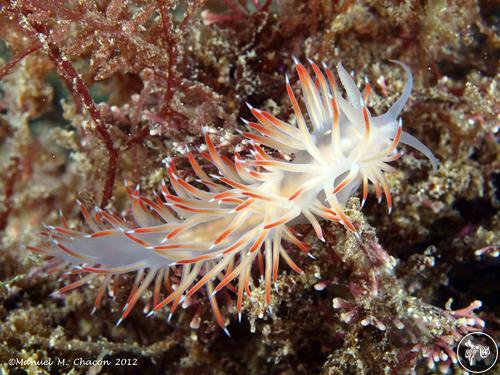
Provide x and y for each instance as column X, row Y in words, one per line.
column 211, row 232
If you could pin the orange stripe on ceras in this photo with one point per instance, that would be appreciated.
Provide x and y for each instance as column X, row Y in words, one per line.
column 129, row 191
column 104, row 233
column 254, row 137
column 169, row 247
column 393, row 157
column 296, row 194
column 387, row 194
column 319, row 76
column 291, row 263
column 64, row 221
column 225, row 194
column 261, row 152
column 157, row 229
column 276, row 261
column 177, row 246
column 209, row 143
column 347, row 222
column 206, row 155
column 175, row 304
column 68, row 231
column 257, row 196
column 246, row 284
column 258, row 114
column 198, row 285
column 196, row 167
column 367, row 91
column 217, row 313
column 264, row 163
column 261, row 263
column 295, row 104
column 367, row 122
column 238, row 161
column 98, row 219
column 143, row 207
column 335, row 113
column 158, row 206
column 173, row 168
column 166, row 301
column 257, row 175
column 225, row 233
column 262, row 129
column 301, row 245
column 330, row 216
column 226, row 280
column 176, row 231
column 137, row 240
column 164, row 190
column 231, row 200
column 258, row 157
column 244, row 205
column 303, row 75
column 340, row 186
column 228, row 162
column 234, row 246
column 196, row 210
column 195, row 260
column 276, row 223
column 99, row 296
column 85, row 213
column 365, row 189
column 233, row 183
column 258, row 242
column 214, row 155
column 73, row 285
column 175, row 198
column 150, row 203
column 331, row 81
column 395, row 141
column 239, row 298
column 99, row 270
column 112, row 219
column 268, row 290
column 274, row 121
column 269, row 123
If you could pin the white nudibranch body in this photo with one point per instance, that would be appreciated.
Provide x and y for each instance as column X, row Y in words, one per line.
column 209, row 233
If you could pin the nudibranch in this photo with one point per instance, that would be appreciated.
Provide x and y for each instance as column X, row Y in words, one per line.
column 208, row 232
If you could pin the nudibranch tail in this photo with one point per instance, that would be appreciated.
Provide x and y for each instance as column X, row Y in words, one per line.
column 209, row 231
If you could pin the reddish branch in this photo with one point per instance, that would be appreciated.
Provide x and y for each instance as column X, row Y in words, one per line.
column 314, row 15
column 18, row 57
column 138, row 138
column 172, row 57
column 10, row 177
column 191, row 9
column 78, row 87
column 239, row 11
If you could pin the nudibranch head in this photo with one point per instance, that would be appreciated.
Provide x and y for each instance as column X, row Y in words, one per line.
column 212, row 230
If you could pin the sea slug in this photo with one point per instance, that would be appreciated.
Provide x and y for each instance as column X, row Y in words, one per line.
column 212, row 229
